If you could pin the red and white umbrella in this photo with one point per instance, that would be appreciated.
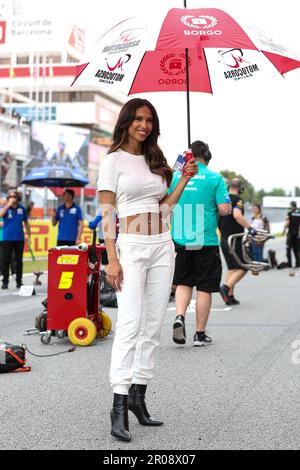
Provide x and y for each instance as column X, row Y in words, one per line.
column 199, row 50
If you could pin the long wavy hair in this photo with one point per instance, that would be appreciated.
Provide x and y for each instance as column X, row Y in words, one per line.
column 153, row 154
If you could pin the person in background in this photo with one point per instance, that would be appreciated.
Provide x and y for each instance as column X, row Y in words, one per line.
column 258, row 222
column 133, row 183
column 69, row 219
column 14, row 216
column 93, row 224
column 194, row 232
column 234, row 223
column 292, row 227
column 61, row 157
column 29, row 209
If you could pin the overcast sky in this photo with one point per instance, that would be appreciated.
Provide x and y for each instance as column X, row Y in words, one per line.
column 255, row 133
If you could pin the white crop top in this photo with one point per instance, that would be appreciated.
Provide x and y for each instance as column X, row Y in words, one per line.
column 137, row 189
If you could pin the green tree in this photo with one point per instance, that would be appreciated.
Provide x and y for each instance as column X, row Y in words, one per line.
column 259, row 196
column 249, row 192
column 276, row 192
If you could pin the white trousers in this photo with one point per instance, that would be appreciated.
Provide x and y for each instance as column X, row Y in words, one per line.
column 148, row 267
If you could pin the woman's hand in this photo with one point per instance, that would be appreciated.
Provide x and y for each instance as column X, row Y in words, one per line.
column 191, row 169
column 115, row 274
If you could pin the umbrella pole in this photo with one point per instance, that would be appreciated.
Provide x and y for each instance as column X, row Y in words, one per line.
column 187, row 77
column 188, row 111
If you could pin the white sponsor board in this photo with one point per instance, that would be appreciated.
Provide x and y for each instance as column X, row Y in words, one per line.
column 280, row 201
column 26, row 33
column 234, row 67
column 24, row 30
column 27, row 291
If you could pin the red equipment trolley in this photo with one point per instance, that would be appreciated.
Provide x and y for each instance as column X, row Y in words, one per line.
column 74, row 294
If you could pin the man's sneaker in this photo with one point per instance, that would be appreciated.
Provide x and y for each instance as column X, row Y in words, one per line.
column 224, row 291
column 232, row 301
column 201, row 339
column 179, row 330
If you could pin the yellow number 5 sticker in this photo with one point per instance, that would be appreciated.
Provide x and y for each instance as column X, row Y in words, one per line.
column 66, row 280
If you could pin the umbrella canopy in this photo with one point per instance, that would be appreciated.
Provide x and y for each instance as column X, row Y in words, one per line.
column 201, row 50
column 55, row 176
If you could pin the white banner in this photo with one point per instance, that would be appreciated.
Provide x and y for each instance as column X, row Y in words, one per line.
column 42, row 33
column 32, row 25
column 233, row 67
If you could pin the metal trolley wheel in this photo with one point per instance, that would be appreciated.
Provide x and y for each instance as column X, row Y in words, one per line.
column 60, row 334
column 82, row 332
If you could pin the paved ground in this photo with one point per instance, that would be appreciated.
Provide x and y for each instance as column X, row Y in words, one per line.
column 240, row 393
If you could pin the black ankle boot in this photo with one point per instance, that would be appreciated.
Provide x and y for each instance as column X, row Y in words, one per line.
column 138, row 406
column 119, row 418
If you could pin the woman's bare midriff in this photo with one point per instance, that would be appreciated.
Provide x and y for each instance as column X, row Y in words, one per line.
column 148, row 223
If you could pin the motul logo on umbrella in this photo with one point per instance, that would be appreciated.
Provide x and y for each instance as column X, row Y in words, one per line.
column 201, row 25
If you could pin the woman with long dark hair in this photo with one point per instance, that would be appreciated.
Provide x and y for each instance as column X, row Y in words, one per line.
column 133, row 181
column 258, row 222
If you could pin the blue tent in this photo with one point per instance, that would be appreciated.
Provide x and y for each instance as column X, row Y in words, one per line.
column 55, row 176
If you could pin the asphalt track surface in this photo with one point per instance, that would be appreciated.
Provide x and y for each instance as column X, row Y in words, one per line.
column 242, row 392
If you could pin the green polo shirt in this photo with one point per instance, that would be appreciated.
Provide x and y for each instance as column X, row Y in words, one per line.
column 195, row 217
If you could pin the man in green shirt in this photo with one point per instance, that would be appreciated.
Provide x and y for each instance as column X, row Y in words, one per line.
column 194, row 231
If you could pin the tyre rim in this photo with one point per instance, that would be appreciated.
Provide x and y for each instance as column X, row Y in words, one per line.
column 81, row 332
